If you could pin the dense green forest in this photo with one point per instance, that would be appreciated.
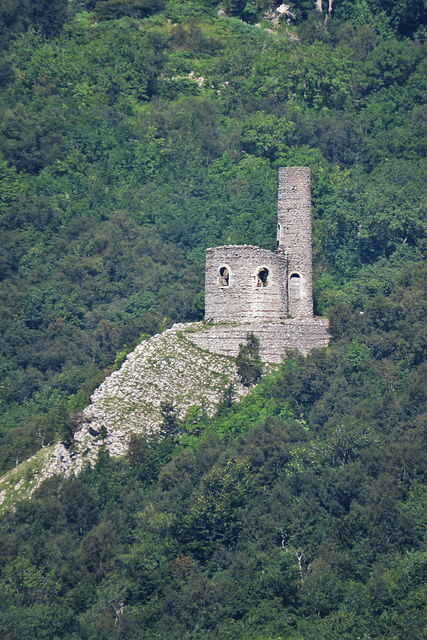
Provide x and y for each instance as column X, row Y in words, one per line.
column 134, row 134
column 298, row 513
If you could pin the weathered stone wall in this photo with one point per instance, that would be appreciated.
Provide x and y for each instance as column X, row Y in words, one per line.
column 279, row 308
column 239, row 294
column 233, row 290
column 294, row 237
column 275, row 338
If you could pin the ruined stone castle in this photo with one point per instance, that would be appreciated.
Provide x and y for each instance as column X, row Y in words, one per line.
column 267, row 292
column 248, row 289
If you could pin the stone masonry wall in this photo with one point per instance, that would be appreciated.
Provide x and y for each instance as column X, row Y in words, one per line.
column 234, row 291
column 245, row 297
column 294, row 237
column 275, row 338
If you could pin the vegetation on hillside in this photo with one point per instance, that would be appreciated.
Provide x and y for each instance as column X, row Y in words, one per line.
column 130, row 143
column 299, row 512
column 133, row 135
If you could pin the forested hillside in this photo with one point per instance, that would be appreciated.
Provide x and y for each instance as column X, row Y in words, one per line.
column 134, row 134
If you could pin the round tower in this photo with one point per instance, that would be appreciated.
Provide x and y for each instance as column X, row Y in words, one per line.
column 244, row 284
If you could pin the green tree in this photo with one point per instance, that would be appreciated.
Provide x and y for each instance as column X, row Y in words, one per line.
column 135, row 8
column 46, row 15
column 214, row 512
column 27, row 585
column 169, row 427
column 248, row 362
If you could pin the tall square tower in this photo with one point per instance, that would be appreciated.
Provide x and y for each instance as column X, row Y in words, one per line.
column 294, row 238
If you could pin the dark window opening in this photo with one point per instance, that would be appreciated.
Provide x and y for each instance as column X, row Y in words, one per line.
column 295, row 286
column 262, row 279
column 224, row 277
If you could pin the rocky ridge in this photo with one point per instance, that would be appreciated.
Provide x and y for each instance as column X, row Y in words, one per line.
column 168, row 367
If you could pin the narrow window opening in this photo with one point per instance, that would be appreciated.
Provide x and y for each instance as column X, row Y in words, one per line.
column 224, row 277
column 295, row 286
column 262, row 278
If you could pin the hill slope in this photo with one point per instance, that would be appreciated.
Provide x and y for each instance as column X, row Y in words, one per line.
column 133, row 141
column 298, row 512
column 134, row 135
column 167, row 368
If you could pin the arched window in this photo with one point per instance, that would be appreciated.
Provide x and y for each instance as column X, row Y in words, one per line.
column 224, row 277
column 295, row 286
column 262, row 278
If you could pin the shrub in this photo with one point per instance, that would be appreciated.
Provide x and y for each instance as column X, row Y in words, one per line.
column 248, row 362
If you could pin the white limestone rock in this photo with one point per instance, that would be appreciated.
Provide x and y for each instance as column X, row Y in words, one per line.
column 168, row 367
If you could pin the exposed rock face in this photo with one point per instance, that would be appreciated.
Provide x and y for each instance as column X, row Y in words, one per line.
column 168, row 367
column 284, row 10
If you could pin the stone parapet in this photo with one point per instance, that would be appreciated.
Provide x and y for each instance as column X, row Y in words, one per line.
column 275, row 338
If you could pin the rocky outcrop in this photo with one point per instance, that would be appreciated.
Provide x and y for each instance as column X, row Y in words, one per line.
column 189, row 364
column 168, row 367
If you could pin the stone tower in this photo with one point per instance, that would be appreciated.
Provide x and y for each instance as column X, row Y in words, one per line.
column 269, row 293
column 245, row 284
column 294, row 238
